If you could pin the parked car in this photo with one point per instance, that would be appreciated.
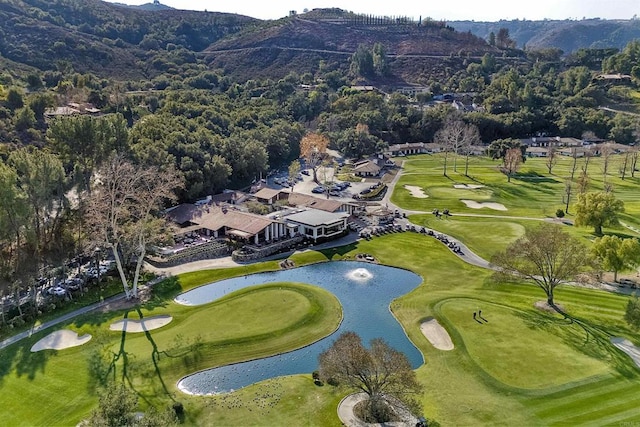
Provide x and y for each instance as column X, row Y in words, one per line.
column 305, row 172
column 627, row 282
column 57, row 291
column 318, row 190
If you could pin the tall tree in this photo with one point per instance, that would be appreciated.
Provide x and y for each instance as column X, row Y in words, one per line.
column 313, row 149
column 617, row 254
column 546, row 256
column 123, row 212
column 381, row 372
column 597, row 210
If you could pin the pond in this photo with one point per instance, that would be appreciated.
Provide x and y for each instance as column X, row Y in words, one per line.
column 365, row 291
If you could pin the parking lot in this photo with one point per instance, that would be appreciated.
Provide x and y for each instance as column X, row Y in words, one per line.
column 305, row 184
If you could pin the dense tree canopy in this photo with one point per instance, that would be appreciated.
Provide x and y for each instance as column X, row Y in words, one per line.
column 545, row 255
column 598, row 210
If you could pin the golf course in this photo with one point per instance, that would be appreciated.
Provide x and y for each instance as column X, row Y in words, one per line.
column 515, row 364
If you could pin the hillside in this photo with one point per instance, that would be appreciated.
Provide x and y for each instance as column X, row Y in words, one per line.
column 298, row 43
column 566, row 35
column 104, row 38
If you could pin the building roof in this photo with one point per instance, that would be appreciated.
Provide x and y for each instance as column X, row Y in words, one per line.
column 406, row 145
column 214, row 218
column 217, row 218
column 366, row 167
column 327, row 205
column 183, row 213
column 315, row 217
column 267, row 193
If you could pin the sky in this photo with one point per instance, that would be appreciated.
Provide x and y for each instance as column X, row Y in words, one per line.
column 448, row 10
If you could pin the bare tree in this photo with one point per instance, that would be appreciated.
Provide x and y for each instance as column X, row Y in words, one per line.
column 545, row 255
column 568, row 186
column 123, row 209
column 294, row 170
column 552, row 158
column 588, row 154
column 583, row 182
column 574, row 164
column 313, row 148
column 605, row 152
column 625, row 163
column 634, row 160
column 381, row 372
column 512, row 162
column 456, row 137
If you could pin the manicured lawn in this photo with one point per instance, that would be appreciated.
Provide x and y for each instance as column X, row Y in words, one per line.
column 524, row 367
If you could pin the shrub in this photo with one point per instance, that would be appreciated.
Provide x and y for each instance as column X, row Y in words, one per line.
column 178, row 408
column 560, row 213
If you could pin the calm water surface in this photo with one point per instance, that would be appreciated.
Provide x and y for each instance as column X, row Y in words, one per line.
column 365, row 292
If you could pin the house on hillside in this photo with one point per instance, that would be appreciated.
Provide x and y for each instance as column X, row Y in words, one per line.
column 71, row 109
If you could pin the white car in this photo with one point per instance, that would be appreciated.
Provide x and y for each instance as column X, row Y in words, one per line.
column 57, row 290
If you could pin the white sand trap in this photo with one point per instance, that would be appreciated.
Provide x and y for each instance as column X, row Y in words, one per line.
column 436, row 334
column 147, row 324
column 479, row 205
column 59, row 340
column 628, row 347
column 468, row 186
column 416, row 191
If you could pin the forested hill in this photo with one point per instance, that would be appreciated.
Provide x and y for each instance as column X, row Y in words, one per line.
column 106, row 39
column 567, row 35
column 115, row 41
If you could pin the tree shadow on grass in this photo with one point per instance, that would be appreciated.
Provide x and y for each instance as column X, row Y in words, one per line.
column 330, row 253
column 533, row 177
column 104, row 362
column 30, row 363
column 584, row 336
column 162, row 293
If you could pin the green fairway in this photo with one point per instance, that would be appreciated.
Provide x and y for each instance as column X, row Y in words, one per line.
column 507, row 343
column 532, row 192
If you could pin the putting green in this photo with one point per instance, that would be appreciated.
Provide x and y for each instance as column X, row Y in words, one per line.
column 514, row 348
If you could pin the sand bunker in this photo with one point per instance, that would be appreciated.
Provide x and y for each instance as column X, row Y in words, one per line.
column 628, row 347
column 468, row 186
column 147, row 324
column 436, row 334
column 59, row 340
column 479, row 205
column 416, row 191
